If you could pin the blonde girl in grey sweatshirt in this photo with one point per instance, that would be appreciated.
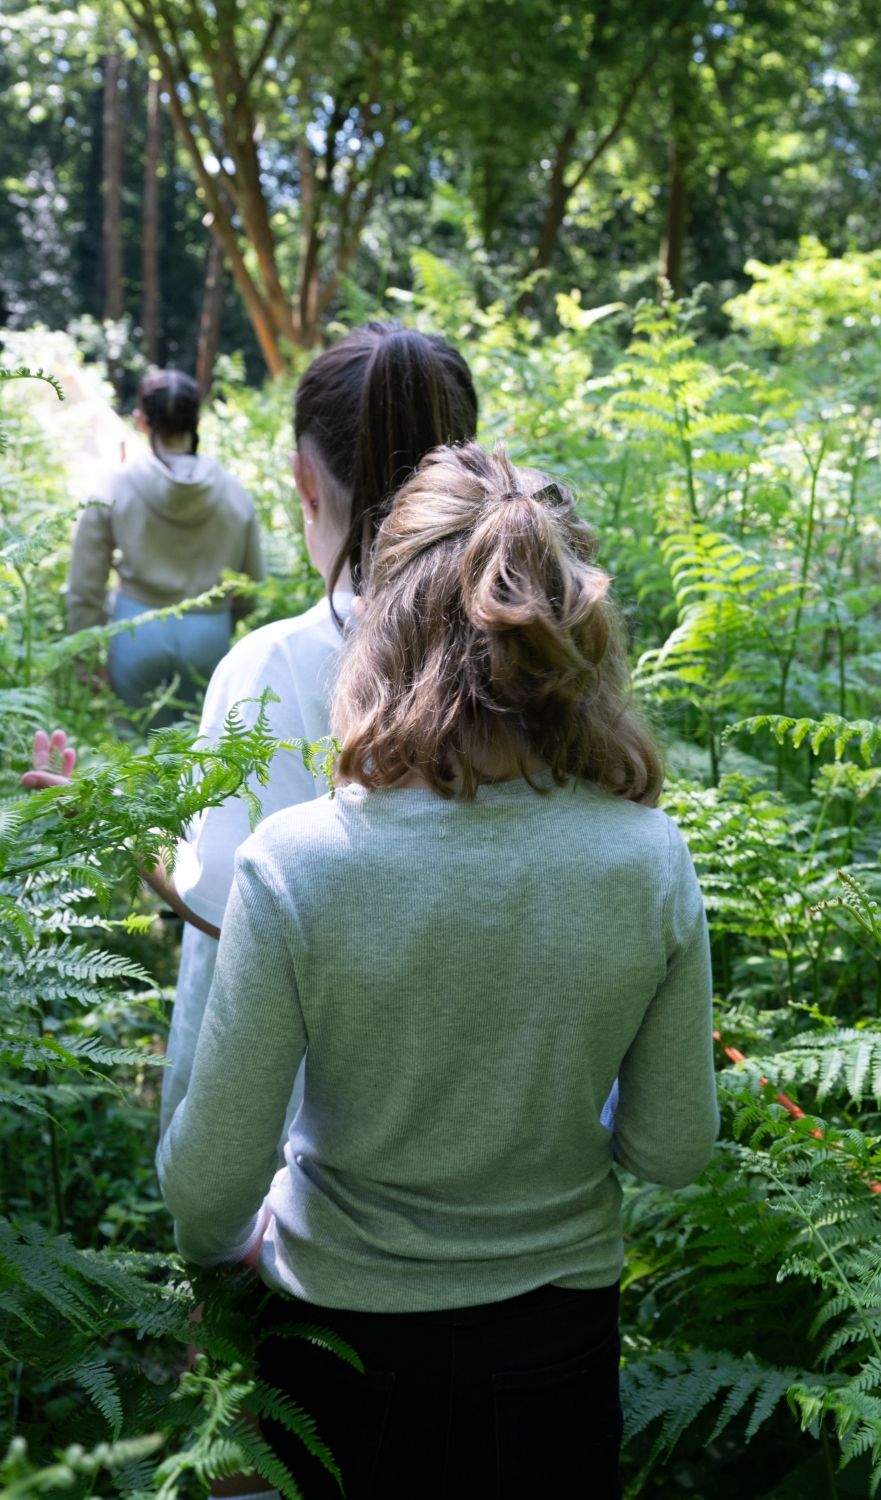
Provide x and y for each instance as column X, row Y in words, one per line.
column 486, row 926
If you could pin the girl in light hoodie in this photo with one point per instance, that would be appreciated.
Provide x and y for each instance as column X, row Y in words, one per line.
column 171, row 524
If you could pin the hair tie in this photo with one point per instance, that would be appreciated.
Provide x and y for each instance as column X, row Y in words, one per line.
column 550, row 494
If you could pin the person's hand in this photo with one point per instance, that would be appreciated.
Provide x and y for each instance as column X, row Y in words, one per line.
column 252, row 1258
column 41, row 776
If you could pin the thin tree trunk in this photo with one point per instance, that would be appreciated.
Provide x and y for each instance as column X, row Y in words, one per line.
column 212, row 308
column 112, row 186
column 560, row 191
column 150, row 235
column 221, row 223
column 112, row 165
column 558, row 199
column 671, row 258
column 673, row 241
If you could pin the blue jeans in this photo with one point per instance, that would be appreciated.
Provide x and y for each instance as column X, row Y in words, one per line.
column 143, row 659
column 513, row 1400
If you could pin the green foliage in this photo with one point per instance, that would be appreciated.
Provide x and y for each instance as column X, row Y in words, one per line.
column 20, row 1479
column 737, row 509
column 80, row 1033
column 811, row 300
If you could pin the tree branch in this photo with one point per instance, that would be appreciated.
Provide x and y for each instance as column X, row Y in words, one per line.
column 263, row 49
column 560, row 190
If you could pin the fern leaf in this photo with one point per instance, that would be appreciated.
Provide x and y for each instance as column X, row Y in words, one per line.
column 695, row 1389
column 12, row 915
column 742, row 1388
column 773, row 1388
column 322, row 1338
column 97, row 1378
column 260, row 1457
column 678, row 1388
column 265, row 1400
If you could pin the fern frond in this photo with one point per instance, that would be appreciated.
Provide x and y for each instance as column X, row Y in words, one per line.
column 677, row 1388
column 817, row 732
column 259, row 1456
column 322, row 1338
column 266, row 1401
column 23, row 372
column 96, row 1377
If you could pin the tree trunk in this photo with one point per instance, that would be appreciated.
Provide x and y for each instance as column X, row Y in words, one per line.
column 150, row 235
column 221, row 223
column 234, row 194
column 673, row 241
column 112, row 187
column 560, row 191
column 558, row 201
column 212, row 308
column 671, row 258
column 112, row 163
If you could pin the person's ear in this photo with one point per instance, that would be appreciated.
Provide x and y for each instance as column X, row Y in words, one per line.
column 306, row 481
column 140, row 420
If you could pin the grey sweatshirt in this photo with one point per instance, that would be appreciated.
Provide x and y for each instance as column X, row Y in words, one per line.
column 170, row 533
column 469, row 981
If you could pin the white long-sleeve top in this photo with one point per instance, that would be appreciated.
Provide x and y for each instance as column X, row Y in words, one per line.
column 297, row 658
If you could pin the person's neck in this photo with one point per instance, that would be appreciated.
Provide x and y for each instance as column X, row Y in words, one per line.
column 343, row 580
column 174, row 442
column 497, row 766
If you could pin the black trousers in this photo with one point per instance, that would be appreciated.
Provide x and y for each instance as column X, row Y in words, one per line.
column 497, row 1402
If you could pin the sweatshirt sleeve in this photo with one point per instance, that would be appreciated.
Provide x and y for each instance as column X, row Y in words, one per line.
column 220, row 1153
column 90, row 564
column 667, row 1119
column 252, row 564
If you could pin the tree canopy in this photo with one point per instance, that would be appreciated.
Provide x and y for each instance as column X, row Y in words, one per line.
column 535, row 144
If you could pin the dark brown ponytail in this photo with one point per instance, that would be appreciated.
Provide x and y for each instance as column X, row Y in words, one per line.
column 374, row 404
column 169, row 401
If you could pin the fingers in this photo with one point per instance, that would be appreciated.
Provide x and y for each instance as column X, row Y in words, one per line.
column 45, row 747
column 41, row 749
column 36, row 781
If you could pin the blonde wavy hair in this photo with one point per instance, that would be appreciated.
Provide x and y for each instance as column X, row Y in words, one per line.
column 486, row 630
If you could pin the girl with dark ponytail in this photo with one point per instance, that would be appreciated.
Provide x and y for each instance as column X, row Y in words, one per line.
column 175, row 522
column 367, row 411
column 370, row 408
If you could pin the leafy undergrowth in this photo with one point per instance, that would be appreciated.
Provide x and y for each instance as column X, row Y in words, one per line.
column 736, row 499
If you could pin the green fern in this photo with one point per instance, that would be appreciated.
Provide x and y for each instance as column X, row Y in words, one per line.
column 267, row 1402
column 322, row 1338
column 830, row 1063
column 258, row 1458
column 817, row 732
column 728, row 604
column 674, row 1390
column 96, row 1377
column 22, row 1480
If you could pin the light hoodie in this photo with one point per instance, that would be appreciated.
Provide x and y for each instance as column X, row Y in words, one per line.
column 170, row 529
